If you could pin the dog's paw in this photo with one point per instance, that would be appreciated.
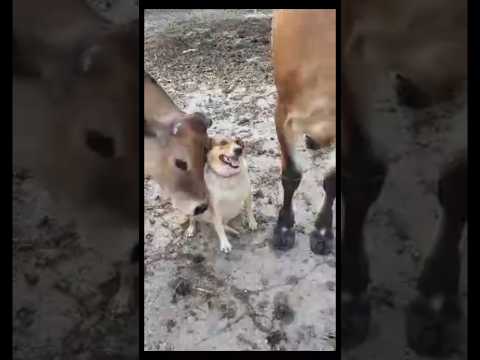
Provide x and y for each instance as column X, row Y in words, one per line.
column 225, row 247
column 252, row 224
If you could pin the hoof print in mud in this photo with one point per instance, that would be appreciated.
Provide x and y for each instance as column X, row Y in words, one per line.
column 355, row 321
column 433, row 332
column 321, row 244
column 283, row 238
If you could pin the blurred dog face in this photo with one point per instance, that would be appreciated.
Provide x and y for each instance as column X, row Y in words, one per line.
column 224, row 155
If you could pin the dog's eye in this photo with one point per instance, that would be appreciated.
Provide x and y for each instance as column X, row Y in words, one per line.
column 181, row 164
column 223, row 142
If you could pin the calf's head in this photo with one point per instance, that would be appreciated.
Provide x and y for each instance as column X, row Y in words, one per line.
column 175, row 151
column 97, row 123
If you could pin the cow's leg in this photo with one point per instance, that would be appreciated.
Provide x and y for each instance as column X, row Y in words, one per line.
column 192, row 227
column 434, row 317
column 362, row 181
column 321, row 239
column 284, row 233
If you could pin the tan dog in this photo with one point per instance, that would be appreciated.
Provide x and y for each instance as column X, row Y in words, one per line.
column 228, row 184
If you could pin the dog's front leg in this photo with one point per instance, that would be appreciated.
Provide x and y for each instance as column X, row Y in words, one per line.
column 252, row 223
column 225, row 245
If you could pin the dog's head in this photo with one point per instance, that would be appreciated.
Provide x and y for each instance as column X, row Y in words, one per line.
column 224, row 155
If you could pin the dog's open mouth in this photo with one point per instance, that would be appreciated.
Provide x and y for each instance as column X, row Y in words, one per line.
column 230, row 161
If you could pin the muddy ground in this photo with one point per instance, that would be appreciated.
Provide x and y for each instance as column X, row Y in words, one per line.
column 197, row 298
column 62, row 286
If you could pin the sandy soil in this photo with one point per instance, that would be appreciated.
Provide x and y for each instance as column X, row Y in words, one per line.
column 197, row 298
column 62, row 286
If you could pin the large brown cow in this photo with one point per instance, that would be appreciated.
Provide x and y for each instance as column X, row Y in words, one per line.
column 175, row 144
column 304, row 62
column 410, row 55
column 82, row 143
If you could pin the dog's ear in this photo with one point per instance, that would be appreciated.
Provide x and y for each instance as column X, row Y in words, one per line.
column 209, row 144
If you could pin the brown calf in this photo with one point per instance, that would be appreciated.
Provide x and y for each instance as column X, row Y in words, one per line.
column 82, row 143
column 411, row 55
column 175, row 144
column 304, row 61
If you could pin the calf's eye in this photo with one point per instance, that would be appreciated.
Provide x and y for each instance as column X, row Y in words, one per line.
column 100, row 144
column 182, row 165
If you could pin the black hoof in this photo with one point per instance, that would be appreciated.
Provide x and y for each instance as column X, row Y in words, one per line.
column 311, row 144
column 355, row 321
column 283, row 238
column 433, row 332
column 321, row 244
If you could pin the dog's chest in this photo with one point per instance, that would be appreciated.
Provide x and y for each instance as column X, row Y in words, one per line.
column 228, row 194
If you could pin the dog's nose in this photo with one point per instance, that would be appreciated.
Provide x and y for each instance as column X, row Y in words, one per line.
column 200, row 209
column 238, row 151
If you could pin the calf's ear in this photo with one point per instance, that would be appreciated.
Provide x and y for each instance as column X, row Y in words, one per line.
column 148, row 130
column 152, row 130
